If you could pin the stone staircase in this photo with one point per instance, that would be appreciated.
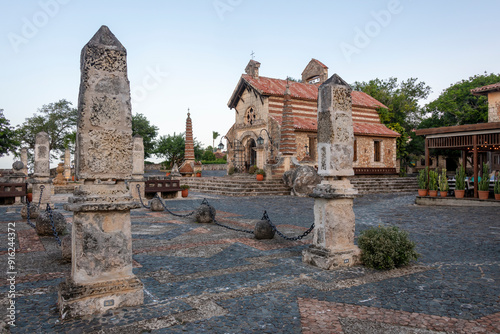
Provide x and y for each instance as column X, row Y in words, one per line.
column 247, row 185
column 236, row 185
column 373, row 185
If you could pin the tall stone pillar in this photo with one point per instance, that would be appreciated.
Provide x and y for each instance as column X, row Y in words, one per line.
column 101, row 266
column 187, row 167
column 40, row 180
column 333, row 239
column 24, row 160
column 137, row 168
column 67, row 165
column 288, row 147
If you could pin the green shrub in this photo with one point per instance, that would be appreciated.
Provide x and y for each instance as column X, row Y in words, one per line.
column 185, row 186
column 260, row 172
column 443, row 181
column 231, row 171
column 386, row 248
column 252, row 169
column 214, row 162
column 460, row 178
column 422, row 178
column 484, row 184
column 433, row 178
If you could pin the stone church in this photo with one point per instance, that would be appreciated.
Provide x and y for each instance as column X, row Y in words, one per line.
column 269, row 113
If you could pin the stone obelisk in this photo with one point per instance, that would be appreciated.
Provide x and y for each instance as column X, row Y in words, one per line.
column 333, row 239
column 40, row 180
column 137, row 169
column 101, row 268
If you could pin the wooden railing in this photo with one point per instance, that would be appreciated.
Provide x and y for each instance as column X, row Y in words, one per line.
column 13, row 189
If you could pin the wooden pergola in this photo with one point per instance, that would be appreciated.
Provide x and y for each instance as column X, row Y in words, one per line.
column 470, row 138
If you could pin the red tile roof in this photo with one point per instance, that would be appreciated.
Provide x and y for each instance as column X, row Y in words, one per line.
column 322, row 65
column 299, row 90
column 485, row 89
column 309, row 124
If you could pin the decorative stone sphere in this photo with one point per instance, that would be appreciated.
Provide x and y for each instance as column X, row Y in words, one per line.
column 33, row 212
column 156, row 204
column 205, row 214
column 44, row 225
column 18, row 165
column 263, row 230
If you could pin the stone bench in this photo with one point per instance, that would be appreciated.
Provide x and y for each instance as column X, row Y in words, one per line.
column 164, row 188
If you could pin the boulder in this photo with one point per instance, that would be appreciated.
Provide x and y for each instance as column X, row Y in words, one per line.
column 156, row 204
column 44, row 225
column 205, row 214
column 263, row 230
column 302, row 180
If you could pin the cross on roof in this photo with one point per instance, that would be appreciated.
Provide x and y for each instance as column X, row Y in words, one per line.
column 252, row 54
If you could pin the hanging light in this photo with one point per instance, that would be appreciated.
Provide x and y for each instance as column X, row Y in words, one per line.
column 221, row 146
column 260, row 141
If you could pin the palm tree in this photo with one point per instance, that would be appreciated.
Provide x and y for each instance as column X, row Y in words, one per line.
column 215, row 134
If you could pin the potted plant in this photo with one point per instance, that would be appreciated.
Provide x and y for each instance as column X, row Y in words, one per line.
column 198, row 172
column 460, row 182
column 433, row 185
column 185, row 190
column 443, row 183
column 496, row 188
column 260, row 174
column 484, row 184
column 422, row 182
column 252, row 169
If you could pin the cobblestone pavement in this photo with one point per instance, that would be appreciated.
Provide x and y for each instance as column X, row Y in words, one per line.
column 208, row 279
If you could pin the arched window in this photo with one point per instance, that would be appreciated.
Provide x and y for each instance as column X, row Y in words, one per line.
column 249, row 116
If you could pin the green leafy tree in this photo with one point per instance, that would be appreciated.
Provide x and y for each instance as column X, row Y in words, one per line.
column 171, row 148
column 8, row 142
column 142, row 127
column 215, row 135
column 403, row 112
column 401, row 99
column 208, row 155
column 457, row 106
column 58, row 119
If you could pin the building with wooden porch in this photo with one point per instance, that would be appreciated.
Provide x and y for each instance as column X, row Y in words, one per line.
column 276, row 120
column 482, row 140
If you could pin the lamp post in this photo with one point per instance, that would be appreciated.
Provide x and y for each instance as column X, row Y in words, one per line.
column 238, row 144
column 260, row 141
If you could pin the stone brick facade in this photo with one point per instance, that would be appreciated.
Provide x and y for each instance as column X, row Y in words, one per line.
column 259, row 103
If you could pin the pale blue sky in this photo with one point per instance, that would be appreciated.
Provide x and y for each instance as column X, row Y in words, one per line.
column 191, row 53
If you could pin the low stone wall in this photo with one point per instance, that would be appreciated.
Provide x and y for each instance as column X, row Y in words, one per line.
column 214, row 167
column 152, row 167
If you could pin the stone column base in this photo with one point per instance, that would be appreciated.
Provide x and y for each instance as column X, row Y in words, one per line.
column 331, row 260
column 76, row 300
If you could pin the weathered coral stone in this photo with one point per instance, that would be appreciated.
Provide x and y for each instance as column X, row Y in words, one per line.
column 101, row 265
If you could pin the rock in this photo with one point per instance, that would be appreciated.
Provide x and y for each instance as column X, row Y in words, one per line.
column 205, row 214
column 66, row 248
column 156, row 204
column 263, row 230
column 44, row 225
column 33, row 212
column 302, row 180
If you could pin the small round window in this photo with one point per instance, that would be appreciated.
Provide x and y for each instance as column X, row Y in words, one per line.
column 250, row 116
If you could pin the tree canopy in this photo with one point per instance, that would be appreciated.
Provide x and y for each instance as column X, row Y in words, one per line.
column 457, row 106
column 142, row 127
column 171, row 148
column 8, row 142
column 58, row 119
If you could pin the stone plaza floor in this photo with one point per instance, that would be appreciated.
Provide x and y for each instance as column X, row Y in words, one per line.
column 208, row 279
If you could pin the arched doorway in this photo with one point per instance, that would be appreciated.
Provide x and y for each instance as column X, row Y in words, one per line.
column 251, row 154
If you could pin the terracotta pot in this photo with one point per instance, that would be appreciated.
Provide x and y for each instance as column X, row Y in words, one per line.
column 443, row 193
column 29, row 196
column 184, row 192
column 167, row 174
column 483, row 194
column 73, row 178
column 198, row 174
column 422, row 192
column 433, row 193
column 459, row 193
column 497, row 197
column 260, row 177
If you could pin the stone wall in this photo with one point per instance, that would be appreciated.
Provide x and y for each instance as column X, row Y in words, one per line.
column 494, row 107
column 365, row 152
column 214, row 167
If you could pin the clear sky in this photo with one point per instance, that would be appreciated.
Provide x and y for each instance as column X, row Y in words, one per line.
column 190, row 54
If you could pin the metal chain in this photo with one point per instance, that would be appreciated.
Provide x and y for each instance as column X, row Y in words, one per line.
column 172, row 213
column 42, row 187
column 28, row 215
column 140, row 197
column 212, row 214
column 266, row 217
column 49, row 210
